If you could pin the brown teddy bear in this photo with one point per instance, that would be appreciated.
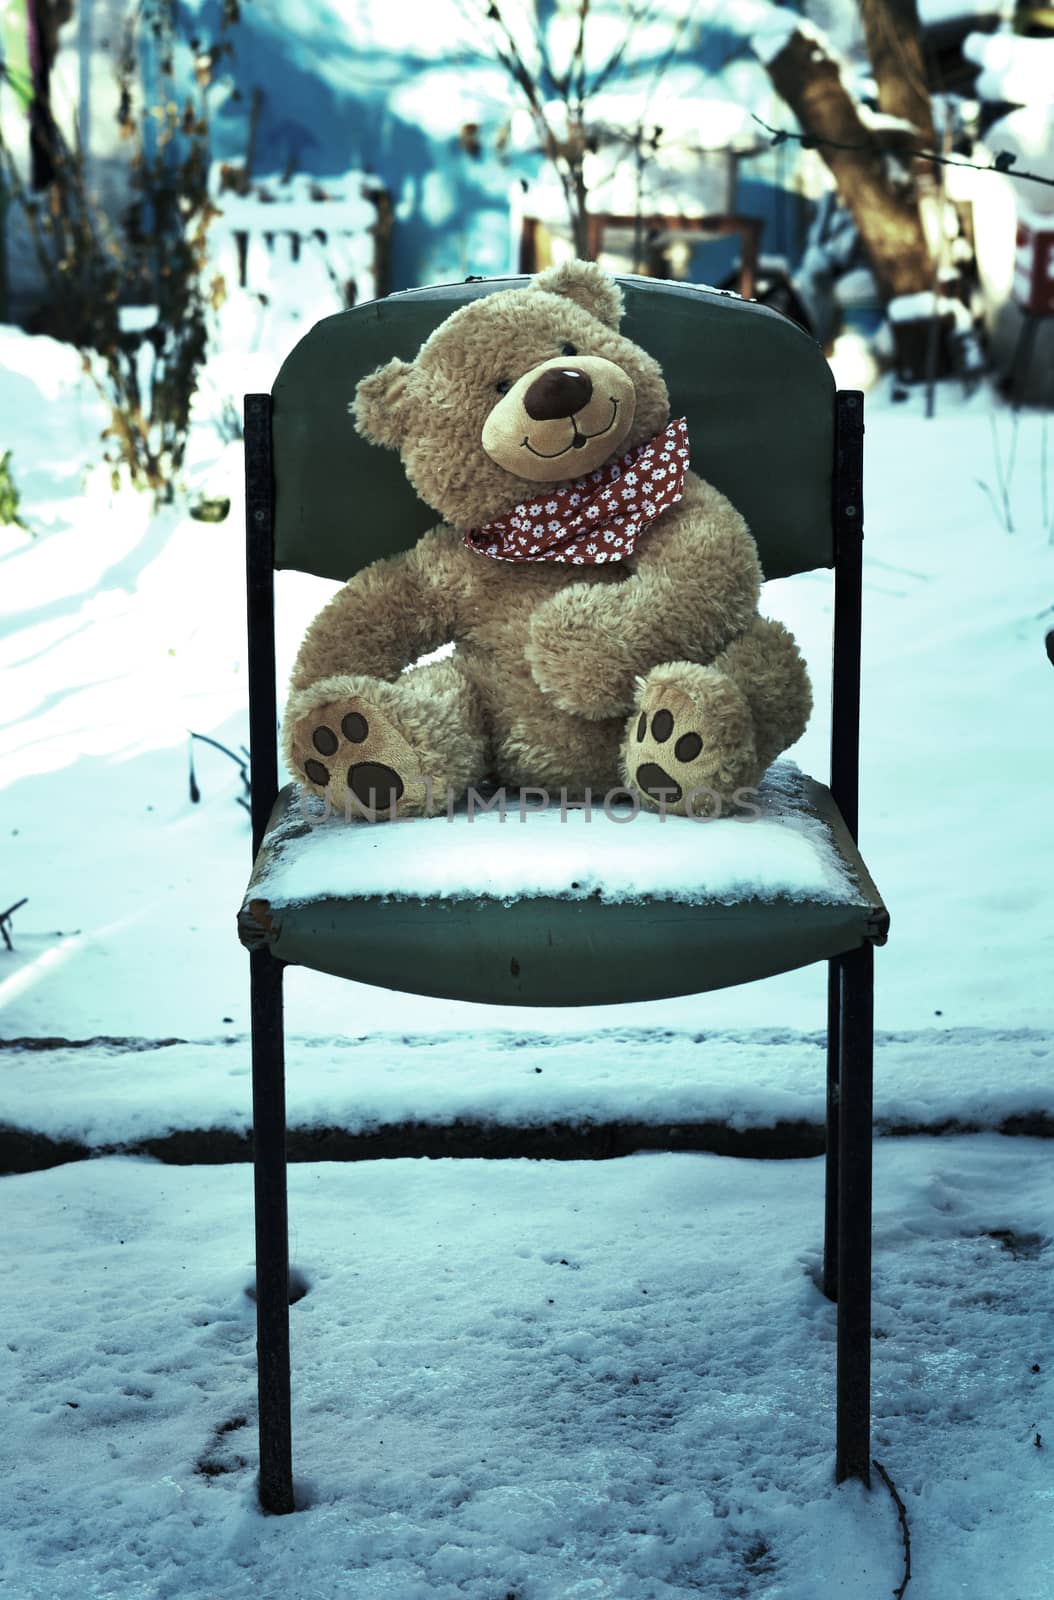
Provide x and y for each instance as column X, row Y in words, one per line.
column 601, row 597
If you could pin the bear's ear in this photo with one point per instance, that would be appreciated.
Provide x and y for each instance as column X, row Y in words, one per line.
column 588, row 285
column 382, row 404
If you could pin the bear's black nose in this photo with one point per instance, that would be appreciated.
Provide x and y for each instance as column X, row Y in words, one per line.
column 560, row 392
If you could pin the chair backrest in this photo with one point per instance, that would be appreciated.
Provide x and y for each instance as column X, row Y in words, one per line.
column 757, row 392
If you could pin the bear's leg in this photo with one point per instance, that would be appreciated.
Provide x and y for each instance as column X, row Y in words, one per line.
column 766, row 664
column 380, row 749
column 699, row 733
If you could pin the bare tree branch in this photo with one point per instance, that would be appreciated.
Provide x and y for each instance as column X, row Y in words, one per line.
column 1003, row 161
column 578, row 60
column 618, row 55
column 5, row 918
column 568, row 147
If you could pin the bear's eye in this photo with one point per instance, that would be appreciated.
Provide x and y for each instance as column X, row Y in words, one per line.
column 568, row 349
column 503, row 386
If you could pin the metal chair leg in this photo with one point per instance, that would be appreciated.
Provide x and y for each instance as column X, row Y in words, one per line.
column 856, row 1033
column 830, row 1219
column 272, row 1234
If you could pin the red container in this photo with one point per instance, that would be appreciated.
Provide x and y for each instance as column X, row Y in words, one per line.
column 1034, row 265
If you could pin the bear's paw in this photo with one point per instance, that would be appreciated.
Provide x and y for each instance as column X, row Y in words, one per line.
column 351, row 754
column 690, row 746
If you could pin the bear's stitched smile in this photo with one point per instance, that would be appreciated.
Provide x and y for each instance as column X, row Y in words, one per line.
column 580, row 439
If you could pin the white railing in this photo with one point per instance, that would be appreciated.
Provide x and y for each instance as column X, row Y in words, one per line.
column 320, row 239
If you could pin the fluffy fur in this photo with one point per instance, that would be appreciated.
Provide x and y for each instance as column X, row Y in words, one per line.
column 560, row 672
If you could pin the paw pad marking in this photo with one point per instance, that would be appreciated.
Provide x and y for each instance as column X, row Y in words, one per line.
column 365, row 758
column 377, row 786
column 652, row 779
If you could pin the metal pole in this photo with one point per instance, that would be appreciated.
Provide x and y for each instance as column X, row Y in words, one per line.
column 259, row 597
column 1021, row 363
column 831, row 1161
column 850, row 999
column 848, row 519
column 268, row 1045
column 853, row 1454
column 272, row 1235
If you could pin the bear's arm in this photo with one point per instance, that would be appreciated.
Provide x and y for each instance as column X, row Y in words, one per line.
column 697, row 577
column 387, row 615
column 693, row 587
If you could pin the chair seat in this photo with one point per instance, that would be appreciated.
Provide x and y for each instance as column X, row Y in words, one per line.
column 552, row 908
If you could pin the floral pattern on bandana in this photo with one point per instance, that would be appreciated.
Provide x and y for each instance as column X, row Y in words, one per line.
column 598, row 518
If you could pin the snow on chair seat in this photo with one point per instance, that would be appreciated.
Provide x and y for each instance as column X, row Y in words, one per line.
column 521, row 905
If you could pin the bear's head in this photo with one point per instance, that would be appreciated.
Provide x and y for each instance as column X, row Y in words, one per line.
column 519, row 389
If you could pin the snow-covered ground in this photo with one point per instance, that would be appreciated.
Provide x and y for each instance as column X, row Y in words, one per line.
column 548, row 1429
column 545, row 1380
column 114, row 1095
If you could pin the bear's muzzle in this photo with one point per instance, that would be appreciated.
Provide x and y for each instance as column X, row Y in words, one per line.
column 560, row 419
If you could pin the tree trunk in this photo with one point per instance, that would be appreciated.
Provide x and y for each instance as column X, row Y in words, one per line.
column 808, row 77
column 895, row 52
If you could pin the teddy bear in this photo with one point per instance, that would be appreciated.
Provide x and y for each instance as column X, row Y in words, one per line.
column 602, row 599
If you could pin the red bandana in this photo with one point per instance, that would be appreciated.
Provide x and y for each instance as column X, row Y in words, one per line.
column 597, row 518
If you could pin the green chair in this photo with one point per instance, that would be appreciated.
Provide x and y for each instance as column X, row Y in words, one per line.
column 771, row 432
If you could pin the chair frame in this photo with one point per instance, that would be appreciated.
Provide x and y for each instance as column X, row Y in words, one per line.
column 850, row 1003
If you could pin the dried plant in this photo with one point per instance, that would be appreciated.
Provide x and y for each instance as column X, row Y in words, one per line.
column 9, row 496
column 132, row 294
column 558, row 99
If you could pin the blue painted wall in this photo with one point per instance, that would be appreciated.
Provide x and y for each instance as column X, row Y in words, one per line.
column 451, row 208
